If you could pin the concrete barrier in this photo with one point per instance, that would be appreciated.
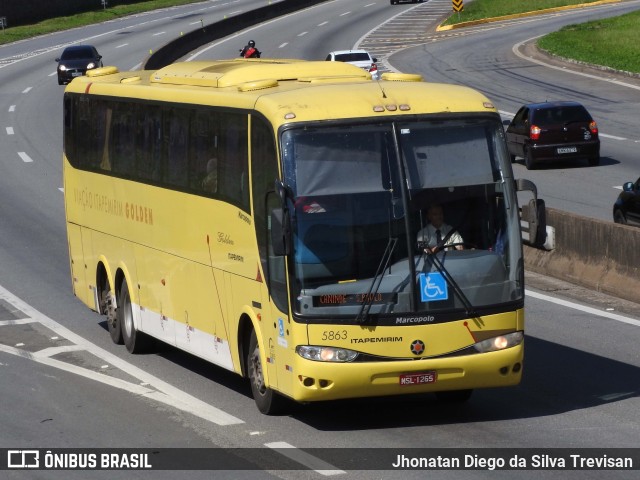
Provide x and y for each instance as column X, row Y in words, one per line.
column 187, row 43
column 596, row 254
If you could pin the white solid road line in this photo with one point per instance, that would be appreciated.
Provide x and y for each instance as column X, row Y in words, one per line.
column 158, row 389
column 583, row 308
column 304, row 458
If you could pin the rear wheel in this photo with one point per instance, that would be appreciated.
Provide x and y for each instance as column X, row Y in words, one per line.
column 113, row 322
column 268, row 401
column 529, row 162
column 594, row 161
column 135, row 341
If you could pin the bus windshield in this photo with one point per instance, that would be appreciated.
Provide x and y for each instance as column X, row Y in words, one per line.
column 362, row 197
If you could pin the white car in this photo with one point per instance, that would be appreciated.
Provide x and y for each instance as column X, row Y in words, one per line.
column 359, row 58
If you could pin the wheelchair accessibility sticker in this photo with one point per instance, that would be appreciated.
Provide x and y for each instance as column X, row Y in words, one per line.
column 433, row 287
column 282, row 341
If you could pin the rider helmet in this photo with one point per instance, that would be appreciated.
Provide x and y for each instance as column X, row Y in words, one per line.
column 252, row 43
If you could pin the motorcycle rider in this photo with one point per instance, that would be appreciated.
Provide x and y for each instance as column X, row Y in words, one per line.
column 250, row 50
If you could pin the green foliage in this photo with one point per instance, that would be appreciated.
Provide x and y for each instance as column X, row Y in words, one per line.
column 480, row 9
column 13, row 34
column 611, row 42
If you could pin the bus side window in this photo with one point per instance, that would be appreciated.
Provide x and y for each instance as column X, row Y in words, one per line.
column 149, row 144
column 203, row 161
column 177, row 151
column 233, row 162
column 122, row 140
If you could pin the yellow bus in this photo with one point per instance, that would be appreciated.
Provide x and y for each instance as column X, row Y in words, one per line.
column 269, row 216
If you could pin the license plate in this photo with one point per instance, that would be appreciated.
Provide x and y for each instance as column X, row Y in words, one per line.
column 567, row 150
column 423, row 378
column 76, row 74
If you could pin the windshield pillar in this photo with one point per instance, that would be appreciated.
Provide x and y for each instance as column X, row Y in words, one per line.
column 404, row 191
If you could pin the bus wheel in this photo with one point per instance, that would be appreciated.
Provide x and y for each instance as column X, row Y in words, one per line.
column 115, row 327
column 135, row 341
column 268, row 401
column 454, row 396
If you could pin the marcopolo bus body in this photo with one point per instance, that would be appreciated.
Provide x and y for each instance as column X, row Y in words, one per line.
column 264, row 215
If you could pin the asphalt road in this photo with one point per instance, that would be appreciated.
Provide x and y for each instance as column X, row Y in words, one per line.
column 494, row 59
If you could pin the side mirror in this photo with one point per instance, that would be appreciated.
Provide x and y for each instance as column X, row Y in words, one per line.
column 628, row 187
column 534, row 214
column 537, row 218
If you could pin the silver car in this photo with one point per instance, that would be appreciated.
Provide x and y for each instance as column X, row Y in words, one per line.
column 359, row 58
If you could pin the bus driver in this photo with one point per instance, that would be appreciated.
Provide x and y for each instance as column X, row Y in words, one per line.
column 430, row 237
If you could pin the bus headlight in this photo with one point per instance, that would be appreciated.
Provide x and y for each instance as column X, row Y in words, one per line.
column 326, row 354
column 499, row 343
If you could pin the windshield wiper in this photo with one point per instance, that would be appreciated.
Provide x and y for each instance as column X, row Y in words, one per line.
column 363, row 314
column 469, row 308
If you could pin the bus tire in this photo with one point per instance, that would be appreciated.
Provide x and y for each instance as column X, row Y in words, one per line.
column 454, row 396
column 135, row 341
column 113, row 322
column 267, row 401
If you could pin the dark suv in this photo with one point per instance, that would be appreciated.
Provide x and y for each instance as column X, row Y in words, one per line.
column 552, row 131
column 75, row 61
column 626, row 210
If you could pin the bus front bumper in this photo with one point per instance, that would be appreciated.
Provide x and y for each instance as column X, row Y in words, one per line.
column 319, row 381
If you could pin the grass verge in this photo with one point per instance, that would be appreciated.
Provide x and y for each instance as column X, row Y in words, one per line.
column 481, row 9
column 611, row 42
column 13, row 34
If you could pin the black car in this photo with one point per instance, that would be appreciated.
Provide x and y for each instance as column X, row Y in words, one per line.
column 75, row 61
column 553, row 131
column 626, row 210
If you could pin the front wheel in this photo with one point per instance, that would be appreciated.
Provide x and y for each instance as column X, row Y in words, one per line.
column 267, row 401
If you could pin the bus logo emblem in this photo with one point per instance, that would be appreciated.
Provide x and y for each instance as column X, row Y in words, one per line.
column 417, row 347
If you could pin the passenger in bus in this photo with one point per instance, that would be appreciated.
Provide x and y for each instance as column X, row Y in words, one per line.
column 430, row 237
column 210, row 180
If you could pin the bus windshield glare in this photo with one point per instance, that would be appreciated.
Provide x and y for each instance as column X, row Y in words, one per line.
column 361, row 198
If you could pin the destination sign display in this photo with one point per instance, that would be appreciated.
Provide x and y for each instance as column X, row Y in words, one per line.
column 338, row 299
